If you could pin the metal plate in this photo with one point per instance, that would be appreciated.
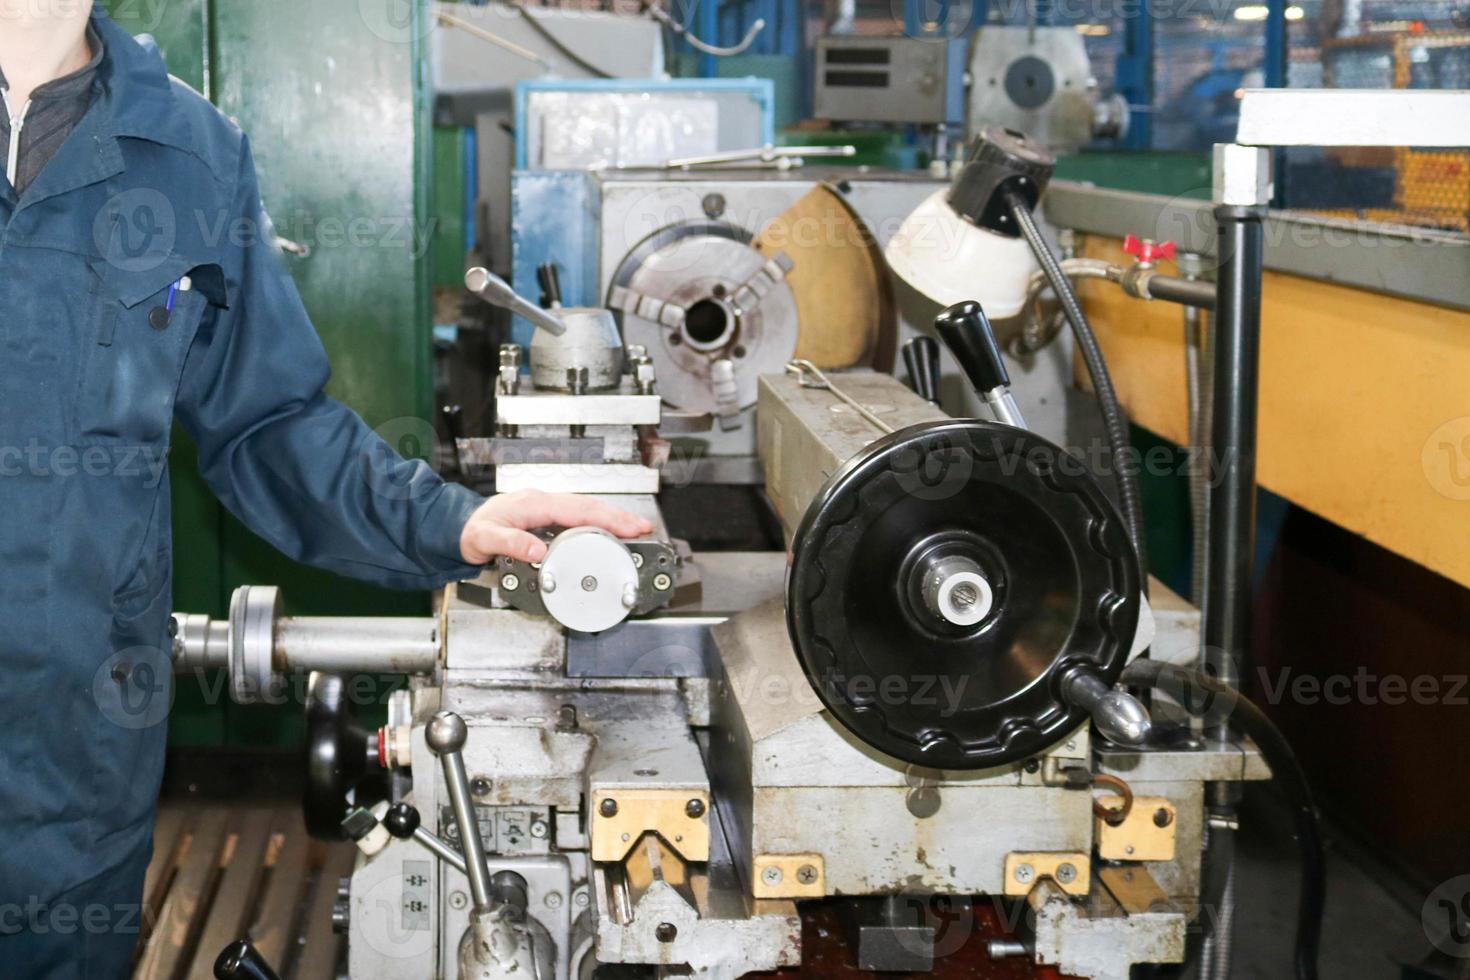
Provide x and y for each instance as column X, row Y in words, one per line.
column 1065, row 581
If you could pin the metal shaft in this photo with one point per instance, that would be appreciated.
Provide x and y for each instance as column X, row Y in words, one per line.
column 446, row 734
column 1232, row 493
column 440, row 849
column 497, row 292
column 1003, row 404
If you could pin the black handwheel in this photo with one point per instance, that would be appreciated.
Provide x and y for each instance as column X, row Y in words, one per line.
column 943, row 580
column 336, row 755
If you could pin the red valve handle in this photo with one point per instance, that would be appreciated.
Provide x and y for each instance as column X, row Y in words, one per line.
column 1147, row 250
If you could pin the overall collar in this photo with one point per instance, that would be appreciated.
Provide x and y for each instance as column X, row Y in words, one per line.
column 135, row 100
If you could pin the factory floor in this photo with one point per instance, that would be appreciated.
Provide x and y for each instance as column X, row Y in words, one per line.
column 1371, row 928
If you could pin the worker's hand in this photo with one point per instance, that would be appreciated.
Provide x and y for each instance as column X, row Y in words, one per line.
column 501, row 525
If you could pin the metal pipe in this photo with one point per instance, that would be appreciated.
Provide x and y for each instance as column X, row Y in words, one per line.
column 1188, row 292
column 1232, row 494
column 352, row 644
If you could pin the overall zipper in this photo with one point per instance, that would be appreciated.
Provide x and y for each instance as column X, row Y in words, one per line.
column 17, row 124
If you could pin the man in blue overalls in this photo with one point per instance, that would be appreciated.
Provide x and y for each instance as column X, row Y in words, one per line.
column 119, row 312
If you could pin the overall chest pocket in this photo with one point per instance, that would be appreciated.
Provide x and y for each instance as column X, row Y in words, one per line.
column 143, row 324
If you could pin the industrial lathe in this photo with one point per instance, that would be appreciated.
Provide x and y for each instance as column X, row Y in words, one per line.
column 634, row 757
column 950, row 714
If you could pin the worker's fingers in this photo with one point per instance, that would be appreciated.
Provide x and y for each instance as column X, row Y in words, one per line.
column 485, row 539
column 535, row 509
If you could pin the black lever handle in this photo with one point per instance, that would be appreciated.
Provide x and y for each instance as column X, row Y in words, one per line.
column 550, row 281
column 242, row 961
column 921, row 357
column 966, row 330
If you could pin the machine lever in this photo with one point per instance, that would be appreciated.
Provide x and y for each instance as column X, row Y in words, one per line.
column 966, row 330
column 242, row 961
column 550, row 281
column 497, row 292
column 921, row 357
column 403, row 822
column 446, row 735
column 1118, row 715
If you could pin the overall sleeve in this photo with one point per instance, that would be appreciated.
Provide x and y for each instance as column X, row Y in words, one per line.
column 297, row 467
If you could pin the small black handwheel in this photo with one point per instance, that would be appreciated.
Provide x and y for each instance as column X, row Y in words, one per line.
column 942, row 581
column 336, row 755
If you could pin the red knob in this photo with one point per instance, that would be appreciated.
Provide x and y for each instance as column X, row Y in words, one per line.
column 1147, row 250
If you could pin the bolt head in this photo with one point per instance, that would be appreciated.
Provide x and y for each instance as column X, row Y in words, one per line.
column 510, row 581
column 539, row 829
column 1162, row 817
column 608, row 807
column 694, row 809
column 554, row 900
column 1024, row 873
column 771, row 875
column 806, row 874
column 458, row 900
column 589, row 583
column 662, row 582
column 1066, row 873
column 666, row 932
column 480, row 786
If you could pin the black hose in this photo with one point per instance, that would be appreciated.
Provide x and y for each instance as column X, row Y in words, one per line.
column 1129, row 496
column 1199, row 694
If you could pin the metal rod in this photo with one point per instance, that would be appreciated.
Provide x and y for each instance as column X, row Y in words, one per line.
column 497, row 292
column 351, row 644
column 441, row 849
column 1003, row 404
column 1232, row 495
column 804, row 369
column 446, row 735
column 477, row 31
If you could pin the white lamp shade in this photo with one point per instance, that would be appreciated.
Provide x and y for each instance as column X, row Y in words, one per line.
column 951, row 260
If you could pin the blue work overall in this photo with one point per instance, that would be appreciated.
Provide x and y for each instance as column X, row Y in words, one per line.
column 140, row 282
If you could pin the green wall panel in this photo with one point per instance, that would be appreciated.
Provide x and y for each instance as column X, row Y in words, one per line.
column 1152, row 172
column 332, row 95
column 447, row 210
column 180, row 28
